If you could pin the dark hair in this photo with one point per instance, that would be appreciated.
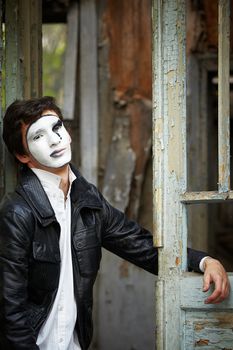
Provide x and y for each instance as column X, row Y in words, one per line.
column 24, row 112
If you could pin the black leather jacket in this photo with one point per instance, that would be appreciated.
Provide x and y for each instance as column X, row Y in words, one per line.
column 30, row 256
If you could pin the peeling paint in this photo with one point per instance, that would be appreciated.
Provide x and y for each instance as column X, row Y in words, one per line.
column 178, row 260
column 202, row 342
column 117, row 180
column 124, row 269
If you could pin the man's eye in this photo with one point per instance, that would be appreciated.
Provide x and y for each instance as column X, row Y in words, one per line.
column 37, row 137
column 57, row 126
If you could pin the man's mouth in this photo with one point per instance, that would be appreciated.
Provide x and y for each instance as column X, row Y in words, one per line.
column 57, row 153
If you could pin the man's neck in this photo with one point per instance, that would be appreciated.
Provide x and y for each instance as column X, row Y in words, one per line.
column 65, row 183
column 63, row 172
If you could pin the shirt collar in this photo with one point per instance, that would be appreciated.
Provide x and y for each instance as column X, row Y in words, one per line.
column 51, row 180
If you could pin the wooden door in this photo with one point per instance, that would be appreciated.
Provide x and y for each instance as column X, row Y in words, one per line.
column 183, row 321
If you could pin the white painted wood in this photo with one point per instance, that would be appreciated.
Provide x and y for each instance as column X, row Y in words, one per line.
column 224, row 95
column 70, row 73
column 169, row 111
column 192, row 296
column 207, row 333
column 182, row 318
column 88, row 90
column 158, row 131
column 118, row 179
column 208, row 327
column 206, row 197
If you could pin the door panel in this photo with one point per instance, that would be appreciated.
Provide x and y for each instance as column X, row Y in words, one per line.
column 205, row 327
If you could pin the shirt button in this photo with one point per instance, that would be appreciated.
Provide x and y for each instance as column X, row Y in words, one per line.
column 61, row 340
column 60, row 308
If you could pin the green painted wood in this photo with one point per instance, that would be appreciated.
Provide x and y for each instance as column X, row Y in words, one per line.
column 13, row 82
column 23, row 61
column 1, row 108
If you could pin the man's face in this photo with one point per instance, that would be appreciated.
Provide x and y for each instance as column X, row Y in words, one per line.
column 48, row 142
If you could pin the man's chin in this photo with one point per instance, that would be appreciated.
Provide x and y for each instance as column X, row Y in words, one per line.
column 51, row 167
column 64, row 163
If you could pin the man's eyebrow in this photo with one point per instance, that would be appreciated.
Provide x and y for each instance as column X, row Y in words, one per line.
column 36, row 132
column 49, row 115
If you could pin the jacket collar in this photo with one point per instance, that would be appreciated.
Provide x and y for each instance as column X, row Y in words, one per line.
column 82, row 194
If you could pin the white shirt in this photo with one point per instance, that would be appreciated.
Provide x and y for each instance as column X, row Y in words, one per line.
column 57, row 333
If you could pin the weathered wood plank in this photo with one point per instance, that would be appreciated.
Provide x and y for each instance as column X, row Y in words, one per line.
column 158, row 124
column 14, row 73
column 36, row 47
column 192, row 296
column 118, row 178
column 206, row 197
column 208, row 326
column 140, row 135
column 224, row 96
column 88, row 90
column 2, row 153
column 70, row 74
column 170, row 172
column 23, row 60
column 208, row 330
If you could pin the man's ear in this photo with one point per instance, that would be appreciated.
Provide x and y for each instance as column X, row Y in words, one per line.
column 22, row 158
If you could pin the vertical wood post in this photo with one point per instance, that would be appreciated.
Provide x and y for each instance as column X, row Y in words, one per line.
column 88, row 90
column 1, row 109
column 170, row 168
column 224, row 95
column 70, row 76
column 23, row 21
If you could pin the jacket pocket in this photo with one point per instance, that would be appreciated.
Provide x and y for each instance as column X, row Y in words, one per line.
column 88, row 251
column 36, row 315
column 42, row 253
column 44, row 269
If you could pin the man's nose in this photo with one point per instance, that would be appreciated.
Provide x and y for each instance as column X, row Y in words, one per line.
column 54, row 138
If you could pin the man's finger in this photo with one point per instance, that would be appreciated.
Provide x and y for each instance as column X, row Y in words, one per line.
column 206, row 283
column 217, row 291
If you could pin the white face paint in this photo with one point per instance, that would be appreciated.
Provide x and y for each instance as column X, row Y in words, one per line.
column 49, row 142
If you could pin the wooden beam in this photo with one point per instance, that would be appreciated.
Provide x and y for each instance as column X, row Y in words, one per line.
column 170, row 170
column 14, row 73
column 193, row 281
column 206, row 197
column 23, row 60
column 36, row 47
column 88, row 90
column 2, row 155
column 224, row 96
column 120, row 166
column 70, row 76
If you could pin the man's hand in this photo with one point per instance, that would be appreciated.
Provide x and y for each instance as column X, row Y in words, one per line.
column 215, row 273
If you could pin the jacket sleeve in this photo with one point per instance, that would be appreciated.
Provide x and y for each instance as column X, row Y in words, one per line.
column 127, row 239
column 14, row 255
